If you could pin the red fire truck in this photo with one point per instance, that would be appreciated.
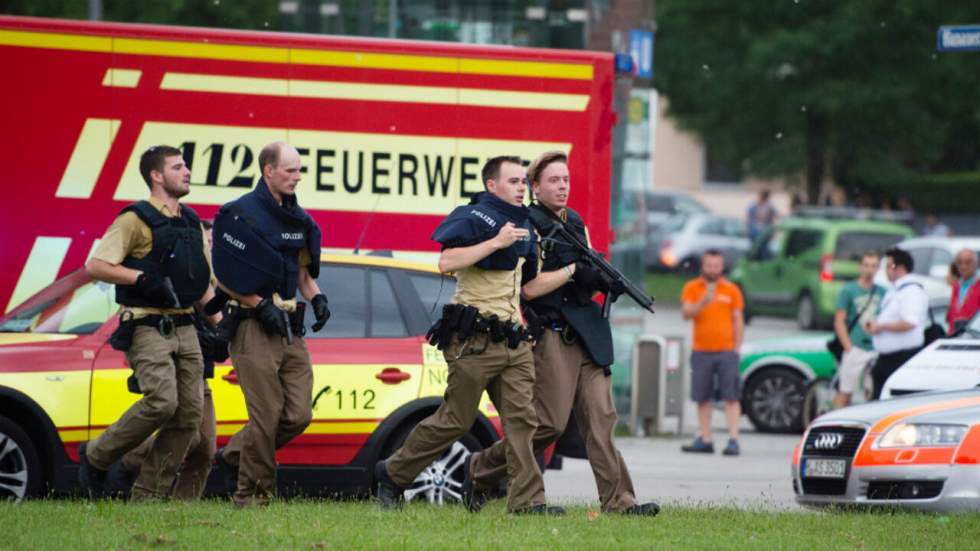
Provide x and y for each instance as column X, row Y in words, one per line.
column 393, row 133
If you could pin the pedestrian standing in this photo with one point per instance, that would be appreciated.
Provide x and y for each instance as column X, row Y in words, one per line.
column 760, row 216
column 857, row 304
column 716, row 306
column 897, row 332
column 965, row 300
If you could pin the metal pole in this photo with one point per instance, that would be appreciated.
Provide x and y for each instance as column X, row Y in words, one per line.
column 95, row 10
column 392, row 18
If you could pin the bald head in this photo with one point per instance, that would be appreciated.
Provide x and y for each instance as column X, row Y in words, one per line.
column 280, row 165
column 966, row 263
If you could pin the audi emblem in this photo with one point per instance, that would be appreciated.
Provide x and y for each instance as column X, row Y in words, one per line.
column 828, row 440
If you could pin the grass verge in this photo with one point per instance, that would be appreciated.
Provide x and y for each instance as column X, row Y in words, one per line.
column 666, row 287
column 312, row 524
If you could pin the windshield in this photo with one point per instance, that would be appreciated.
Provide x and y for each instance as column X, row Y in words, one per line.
column 76, row 310
column 852, row 245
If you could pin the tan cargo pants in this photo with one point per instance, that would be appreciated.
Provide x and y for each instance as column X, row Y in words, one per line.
column 566, row 381
column 508, row 375
column 277, row 380
column 170, row 372
column 192, row 476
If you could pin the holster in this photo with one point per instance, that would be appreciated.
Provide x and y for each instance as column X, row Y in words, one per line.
column 122, row 338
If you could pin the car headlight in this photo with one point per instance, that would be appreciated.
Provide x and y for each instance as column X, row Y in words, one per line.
column 905, row 435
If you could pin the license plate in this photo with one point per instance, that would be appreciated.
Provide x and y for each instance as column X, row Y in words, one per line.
column 825, row 468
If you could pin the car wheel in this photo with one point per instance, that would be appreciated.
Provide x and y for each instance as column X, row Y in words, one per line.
column 773, row 400
column 442, row 480
column 20, row 468
column 819, row 399
column 806, row 312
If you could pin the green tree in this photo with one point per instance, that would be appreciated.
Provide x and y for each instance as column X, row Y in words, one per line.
column 853, row 90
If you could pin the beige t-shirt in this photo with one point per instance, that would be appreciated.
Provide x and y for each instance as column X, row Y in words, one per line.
column 130, row 236
column 491, row 291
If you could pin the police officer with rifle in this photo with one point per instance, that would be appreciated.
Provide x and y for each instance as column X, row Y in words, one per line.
column 489, row 246
column 573, row 349
column 266, row 248
column 156, row 254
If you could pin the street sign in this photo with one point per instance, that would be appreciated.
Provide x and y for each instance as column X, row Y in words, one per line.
column 641, row 48
column 958, row 38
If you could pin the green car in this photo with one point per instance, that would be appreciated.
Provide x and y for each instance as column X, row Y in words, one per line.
column 798, row 266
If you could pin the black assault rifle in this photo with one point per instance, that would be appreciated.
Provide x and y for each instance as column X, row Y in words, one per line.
column 554, row 230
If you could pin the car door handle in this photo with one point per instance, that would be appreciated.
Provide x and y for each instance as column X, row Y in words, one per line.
column 392, row 376
column 231, row 377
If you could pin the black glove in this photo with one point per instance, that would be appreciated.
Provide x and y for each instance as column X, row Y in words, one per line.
column 217, row 303
column 320, row 311
column 155, row 289
column 274, row 320
column 585, row 276
column 612, row 288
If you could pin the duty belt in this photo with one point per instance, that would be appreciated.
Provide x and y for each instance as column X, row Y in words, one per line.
column 466, row 321
column 295, row 317
column 166, row 324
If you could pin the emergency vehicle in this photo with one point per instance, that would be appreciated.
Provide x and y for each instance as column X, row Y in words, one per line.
column 393, row 135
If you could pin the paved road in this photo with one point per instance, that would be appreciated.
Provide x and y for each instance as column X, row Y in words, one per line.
column 668, row 321
column 758, row 479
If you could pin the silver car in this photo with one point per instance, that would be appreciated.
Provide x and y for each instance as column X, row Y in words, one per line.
column 919, row 452
column 681, row 241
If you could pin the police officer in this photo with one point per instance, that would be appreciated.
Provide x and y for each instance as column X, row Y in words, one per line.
column 266, row 248
column 488, row 245
column 156, row 254
column 192, row 476
column 572, row 354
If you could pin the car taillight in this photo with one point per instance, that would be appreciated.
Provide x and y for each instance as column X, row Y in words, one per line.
column 826, row 272
column 667, row 256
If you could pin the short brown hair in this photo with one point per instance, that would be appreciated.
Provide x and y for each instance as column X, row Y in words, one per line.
column 491, row 170
column 153, row 158
column 537, row 167
column 868, row 254
column 270, row 156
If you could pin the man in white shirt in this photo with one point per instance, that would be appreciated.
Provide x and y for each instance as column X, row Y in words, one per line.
column 897, row 332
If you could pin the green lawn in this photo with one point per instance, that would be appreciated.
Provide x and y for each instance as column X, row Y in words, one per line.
column 666, row 287
column 69, row 525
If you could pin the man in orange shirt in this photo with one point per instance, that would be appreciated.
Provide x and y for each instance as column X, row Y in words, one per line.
column 715, row 304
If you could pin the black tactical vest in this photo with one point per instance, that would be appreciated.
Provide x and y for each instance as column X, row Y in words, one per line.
column 257, row 243
column 177, row 253
column 554, row 255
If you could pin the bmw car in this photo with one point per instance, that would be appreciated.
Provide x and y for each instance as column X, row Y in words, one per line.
column 919, row 452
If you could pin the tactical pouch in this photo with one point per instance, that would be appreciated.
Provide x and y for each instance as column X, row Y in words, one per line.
column 296, row 319
column 133, row 384
column 122, row 338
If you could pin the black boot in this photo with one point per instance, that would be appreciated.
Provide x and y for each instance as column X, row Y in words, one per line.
column 643, row 509
column 473, row 499
column 229, row 472
column 552, row 510
column 91, row 478
column 119, row 481
column 389, row 494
